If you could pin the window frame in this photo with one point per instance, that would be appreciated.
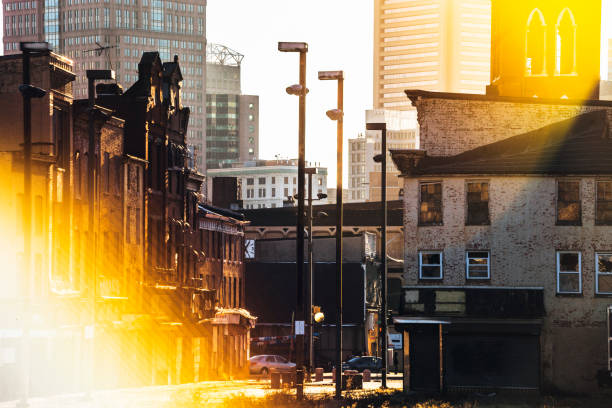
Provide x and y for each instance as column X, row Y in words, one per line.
column 559, row 222
column 467, row 264
column 467, row 203
column 579, row 272
column 427, row 224
column 441, row 265
column 597, row 221
column 597, row 273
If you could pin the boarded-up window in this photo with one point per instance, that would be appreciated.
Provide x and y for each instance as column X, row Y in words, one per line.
column 604, row 273
column 430, row 206
column 568, row 203
column 477, row 203
column 603, row 212
column 569, row 272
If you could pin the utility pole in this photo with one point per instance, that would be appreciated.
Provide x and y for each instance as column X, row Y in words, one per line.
column 28, row 92
column 338, row 115
column 382, row 158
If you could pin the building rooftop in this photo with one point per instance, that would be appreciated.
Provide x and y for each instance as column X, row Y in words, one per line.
column 579, row 145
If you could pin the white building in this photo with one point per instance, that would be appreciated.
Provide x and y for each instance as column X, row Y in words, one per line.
column 364, row 174
column 267, row 183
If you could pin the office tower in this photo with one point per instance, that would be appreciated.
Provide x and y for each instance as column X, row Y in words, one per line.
column 436, row 45
column 546, row 49
column 105, row 34
column 232, row 123
column 364, row 173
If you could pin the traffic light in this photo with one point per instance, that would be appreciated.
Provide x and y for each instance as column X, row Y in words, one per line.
column 318, row 316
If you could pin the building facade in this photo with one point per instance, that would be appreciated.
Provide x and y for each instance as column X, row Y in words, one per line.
column 364, row 173
column 267, row 183
column 232, row 121
column 524, row 221
column 113, row 35
column 123, row 252
column 438, row 45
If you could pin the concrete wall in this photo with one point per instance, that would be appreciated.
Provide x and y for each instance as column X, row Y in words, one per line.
column 523, row 239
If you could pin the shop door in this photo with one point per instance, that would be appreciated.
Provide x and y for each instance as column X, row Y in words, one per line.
column 425, row 358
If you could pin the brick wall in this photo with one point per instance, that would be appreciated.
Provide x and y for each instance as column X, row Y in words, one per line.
column 523, row 239
column 449, row 126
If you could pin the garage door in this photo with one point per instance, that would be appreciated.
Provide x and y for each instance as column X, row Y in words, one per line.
column 491, row 361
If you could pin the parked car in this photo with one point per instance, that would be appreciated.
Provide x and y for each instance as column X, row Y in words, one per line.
column 374, row 364
column 264, row 364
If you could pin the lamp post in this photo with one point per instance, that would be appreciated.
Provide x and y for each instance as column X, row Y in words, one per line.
column 382, row 158
column 28, row 92
column 301, row 91
column 337, row 115
column 310, row 277
column 93, row 75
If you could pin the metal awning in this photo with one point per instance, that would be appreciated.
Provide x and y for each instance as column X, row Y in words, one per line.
column 417, row 320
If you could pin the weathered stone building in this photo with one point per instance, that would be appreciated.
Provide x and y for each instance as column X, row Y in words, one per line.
column 507, row 243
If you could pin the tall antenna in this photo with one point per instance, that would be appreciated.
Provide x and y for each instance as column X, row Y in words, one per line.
column 102, row 49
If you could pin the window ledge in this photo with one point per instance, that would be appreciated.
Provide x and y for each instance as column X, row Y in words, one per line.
column 576, row 295
column 603, row 295
column 568, row 224
column 431, row 279
column 488, row 224
column 429, row 225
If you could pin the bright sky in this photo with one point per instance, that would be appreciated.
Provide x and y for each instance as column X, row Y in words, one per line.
column 339, row 34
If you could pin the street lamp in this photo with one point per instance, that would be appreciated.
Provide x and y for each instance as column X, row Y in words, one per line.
column 382, row 158
column 28, row 92
column 310, row 283
column 337, row 115
column 93, row 75
column 301, row 91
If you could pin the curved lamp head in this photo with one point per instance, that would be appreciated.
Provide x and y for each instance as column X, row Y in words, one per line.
column 31, row 91
column 284, row 46
column 321, row 196
column 334, row 114
column 297, row 89
column 378, row 158
column 331, row 75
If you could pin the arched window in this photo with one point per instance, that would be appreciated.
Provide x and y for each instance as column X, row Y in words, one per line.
column 565, row 51
column 535, row 44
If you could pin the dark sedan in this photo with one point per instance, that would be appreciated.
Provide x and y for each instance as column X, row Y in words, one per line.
column 374, row 364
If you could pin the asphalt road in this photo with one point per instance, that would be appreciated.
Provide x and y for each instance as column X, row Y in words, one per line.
column 211, row 392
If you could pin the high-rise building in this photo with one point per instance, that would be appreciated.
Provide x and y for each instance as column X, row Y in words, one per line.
column 436, row 45
column 364, row 173
column 105, row 34
column 232, row 123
